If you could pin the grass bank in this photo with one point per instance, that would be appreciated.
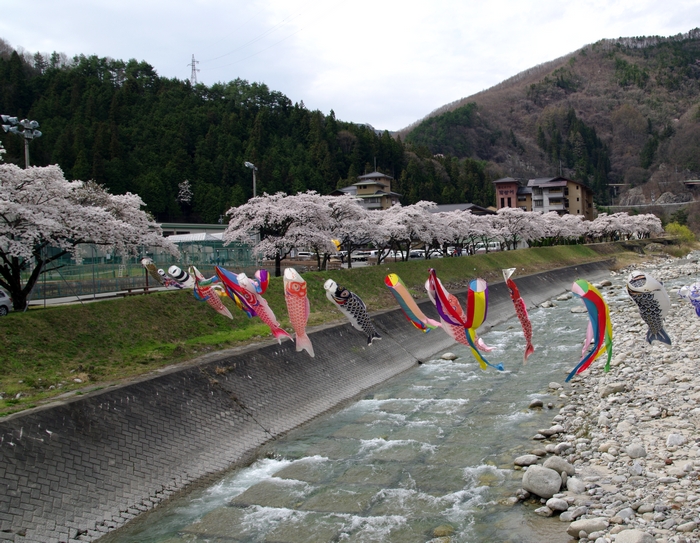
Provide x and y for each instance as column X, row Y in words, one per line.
column 76, row 349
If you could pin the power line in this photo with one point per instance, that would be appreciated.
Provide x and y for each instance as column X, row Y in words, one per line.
column 257, row 38
column 258, row 52
column 311, row 5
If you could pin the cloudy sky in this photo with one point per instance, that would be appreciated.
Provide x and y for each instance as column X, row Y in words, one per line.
column 387, row 63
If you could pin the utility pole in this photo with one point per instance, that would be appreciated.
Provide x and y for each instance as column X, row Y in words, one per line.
column 193, row 76
column 252, row 167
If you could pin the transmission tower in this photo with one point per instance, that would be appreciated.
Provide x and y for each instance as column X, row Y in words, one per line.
column 193, row 77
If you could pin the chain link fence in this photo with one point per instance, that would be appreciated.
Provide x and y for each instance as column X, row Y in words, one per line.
column 99, row 271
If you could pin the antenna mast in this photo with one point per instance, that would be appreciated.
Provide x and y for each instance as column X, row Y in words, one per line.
column 193, row 77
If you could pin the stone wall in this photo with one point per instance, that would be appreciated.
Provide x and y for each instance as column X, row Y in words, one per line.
column 81, row 469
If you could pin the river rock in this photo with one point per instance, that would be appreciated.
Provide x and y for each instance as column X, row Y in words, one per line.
column 588, row 525
column 577, row 486
column 444, row 530
column 555, row 386
column 686, row 527
column 449, row 356
column 612, row 388
column 526, row 460
column 553, row 430
column 579, row 309
column 544, row 482
column 544, row 511
column 536, row 403
column 557, row 504
column 562, row 447
column 577, row 512
column 636, row 450
column 626, row 513
column 559, row 465
column 675, row 440
column 634, row 536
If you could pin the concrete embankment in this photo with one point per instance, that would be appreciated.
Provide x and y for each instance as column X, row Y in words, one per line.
column 78, row 470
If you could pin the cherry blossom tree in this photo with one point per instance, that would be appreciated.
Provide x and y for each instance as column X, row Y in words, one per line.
column 646, row 225
column 477, row 228
column 282, row 223
column 559, row 229
column 351, row 224
column 604, row 227
column 572, row 228
column 407, row 226
column 450, row 224
column 513, row 225
column 41, row 210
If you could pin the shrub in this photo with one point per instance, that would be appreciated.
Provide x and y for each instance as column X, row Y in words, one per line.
column 684, row 233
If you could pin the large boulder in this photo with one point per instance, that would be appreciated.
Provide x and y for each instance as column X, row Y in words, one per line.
column 632, row 197
column 544, row 482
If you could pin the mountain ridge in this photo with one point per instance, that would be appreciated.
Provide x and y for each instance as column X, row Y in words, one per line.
column 635, row 99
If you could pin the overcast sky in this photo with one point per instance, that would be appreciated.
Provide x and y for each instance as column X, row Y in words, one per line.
column 387, row 63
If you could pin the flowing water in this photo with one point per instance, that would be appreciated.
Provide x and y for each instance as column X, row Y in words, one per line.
column 428, row 453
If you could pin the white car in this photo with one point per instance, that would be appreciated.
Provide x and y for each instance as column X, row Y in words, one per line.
column 492, row 246
column 5, row 303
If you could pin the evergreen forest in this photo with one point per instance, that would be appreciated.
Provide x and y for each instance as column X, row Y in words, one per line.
column 122, row 125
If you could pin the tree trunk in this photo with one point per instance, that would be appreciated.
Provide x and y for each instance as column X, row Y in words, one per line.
column 278, row 265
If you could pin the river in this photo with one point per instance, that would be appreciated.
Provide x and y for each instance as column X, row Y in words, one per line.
column 426, row 454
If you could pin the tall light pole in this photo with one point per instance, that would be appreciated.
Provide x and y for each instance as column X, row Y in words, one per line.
column 252, row 167
column 28, row 130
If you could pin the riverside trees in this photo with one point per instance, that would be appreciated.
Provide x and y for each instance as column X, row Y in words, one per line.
column 276, row 224
column 43, row 217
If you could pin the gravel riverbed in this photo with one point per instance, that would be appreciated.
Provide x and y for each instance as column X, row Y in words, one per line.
column 621, row 461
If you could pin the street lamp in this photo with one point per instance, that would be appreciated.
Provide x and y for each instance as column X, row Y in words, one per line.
column 28, row 130
column 252, row 167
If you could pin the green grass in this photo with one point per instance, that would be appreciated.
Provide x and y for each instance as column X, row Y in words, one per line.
column 43, row 352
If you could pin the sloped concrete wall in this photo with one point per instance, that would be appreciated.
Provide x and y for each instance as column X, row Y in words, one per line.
column 79, row 470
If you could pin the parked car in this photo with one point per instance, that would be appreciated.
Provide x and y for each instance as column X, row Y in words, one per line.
column 492, row 246
column 5, row 303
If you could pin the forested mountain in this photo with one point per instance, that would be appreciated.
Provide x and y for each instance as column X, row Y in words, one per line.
column 124, row 126
column 617, row 111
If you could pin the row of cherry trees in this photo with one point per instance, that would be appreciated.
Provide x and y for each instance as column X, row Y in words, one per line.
column 276, row 224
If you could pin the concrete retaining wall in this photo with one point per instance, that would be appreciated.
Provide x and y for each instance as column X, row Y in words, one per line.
column 79, row 470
